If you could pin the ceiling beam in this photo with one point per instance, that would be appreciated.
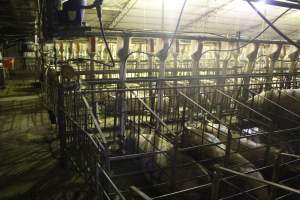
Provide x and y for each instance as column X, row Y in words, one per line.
column 206, row 14
column 123, row 13
column 289, row 4
column 258, row 25
column 291, row 34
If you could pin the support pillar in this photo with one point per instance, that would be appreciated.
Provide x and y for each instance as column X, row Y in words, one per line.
column 197, row 48
column 61, row 124
column 162, row 55
column 61, row 51
column 150, row 49
column 293, row 56
column 251, row 55
column 123, row 44
column 92, row 53
column 175, row 53
column 274, row 55
column 223, row 67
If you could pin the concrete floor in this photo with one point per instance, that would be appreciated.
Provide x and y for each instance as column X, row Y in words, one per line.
column 29, row 167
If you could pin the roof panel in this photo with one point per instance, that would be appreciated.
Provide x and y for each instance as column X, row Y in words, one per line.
column 217, row 16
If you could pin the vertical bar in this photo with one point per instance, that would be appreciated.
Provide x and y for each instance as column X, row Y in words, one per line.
column 273, row 56
column 61, row 124
column 162, row 55
column 228, row 148
column 250, row 67
column 275, row 177
column 92, row 52
column 291, row 79
column 215, row 186
column 122, row 54
column 196, row 56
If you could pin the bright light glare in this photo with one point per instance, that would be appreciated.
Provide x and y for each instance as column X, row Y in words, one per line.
column 261, row 4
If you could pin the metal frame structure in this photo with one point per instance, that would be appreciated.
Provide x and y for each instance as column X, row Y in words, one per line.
column 99, row 119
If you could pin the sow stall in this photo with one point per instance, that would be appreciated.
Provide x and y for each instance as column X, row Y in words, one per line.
column 188, row 132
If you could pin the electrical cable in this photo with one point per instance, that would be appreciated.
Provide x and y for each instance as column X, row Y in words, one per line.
column 98, row 5
column 272, row 26
column 177, row 25
column 172, row 39
column 250, row 41
column 222, row 50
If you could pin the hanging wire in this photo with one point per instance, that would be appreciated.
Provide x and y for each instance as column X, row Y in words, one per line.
column 273, row 27
column 250, row 41
column 172, row 40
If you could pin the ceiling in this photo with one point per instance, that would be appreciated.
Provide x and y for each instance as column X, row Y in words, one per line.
column 226, row 17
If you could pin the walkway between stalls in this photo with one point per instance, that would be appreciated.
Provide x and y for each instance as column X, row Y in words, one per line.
column 29, row 167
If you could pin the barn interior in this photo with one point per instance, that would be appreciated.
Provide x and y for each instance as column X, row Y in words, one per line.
column 150, row 100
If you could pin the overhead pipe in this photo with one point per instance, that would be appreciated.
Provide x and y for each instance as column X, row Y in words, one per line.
column 156, row 34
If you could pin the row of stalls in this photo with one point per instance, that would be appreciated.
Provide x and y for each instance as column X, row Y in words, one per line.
column 194, row 121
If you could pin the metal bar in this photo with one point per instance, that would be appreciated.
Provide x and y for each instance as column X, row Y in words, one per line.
column 206, row 14
column 290, row 155
column 182, row 191
column 154, row 114
column 111, row 182
column 260, row 180
column 275, row 177
column 276, row 104
column 202, row 108
column 123, row 13
column 240, row 103
column 139, row 193
column 185, row 36
column 280, row 3
column 133, row 156
column 90, row 110
column 170, row 78
column 61, row 123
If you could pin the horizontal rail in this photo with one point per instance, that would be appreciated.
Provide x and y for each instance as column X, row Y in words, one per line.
column 180, row 78
column 183, row 191
column 94, row 120
column 110, row 181
column 197, row 105
column 274, row 103
column 289, row 155
column 289, row 189
column 154, row 114
column 139, row 193
column 244, row 105
column 153, row 34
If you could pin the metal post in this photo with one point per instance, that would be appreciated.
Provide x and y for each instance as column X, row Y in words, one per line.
column 228, row 148
column 215, row 186
column 92, row 53
column 61, row 50
column 175, row 57
column 137, row 194
column 273, row 56
column 122, row 54
column 196, row 56
column 174, row 164
column 275, row 177
column 61, row 124
column 150, row 47
column 162, row 55
column 250, row 67
column 291, row 79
